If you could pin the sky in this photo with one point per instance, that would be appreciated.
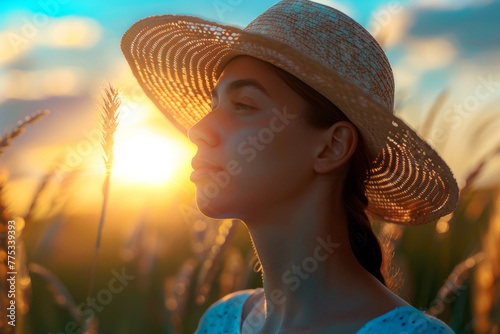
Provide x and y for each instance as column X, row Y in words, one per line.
column 56, row 54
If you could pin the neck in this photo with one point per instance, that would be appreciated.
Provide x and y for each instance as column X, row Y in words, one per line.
column 306, row 258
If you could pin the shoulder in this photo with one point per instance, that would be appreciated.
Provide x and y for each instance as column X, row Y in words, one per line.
column 225, row 312
column 233, row 299
column 406, row 320
column 257, row 297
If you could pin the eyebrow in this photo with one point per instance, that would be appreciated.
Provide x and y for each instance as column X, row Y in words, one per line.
column 237, row 84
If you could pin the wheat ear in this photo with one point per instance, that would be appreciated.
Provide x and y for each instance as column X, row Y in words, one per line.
column 109, row 114
column 6, row 140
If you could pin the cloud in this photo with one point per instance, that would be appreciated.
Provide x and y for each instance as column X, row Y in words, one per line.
column 26, row 30
column 450, row 4
column 40, row 84
column 71, row 32
column 426, row 54
column 404, row 76
column 342, row 6
column 7, row 52
column 467, row 72
column 389, row 24
column 474, row 29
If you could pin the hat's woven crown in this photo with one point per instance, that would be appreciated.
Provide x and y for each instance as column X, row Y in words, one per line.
column 333, row 39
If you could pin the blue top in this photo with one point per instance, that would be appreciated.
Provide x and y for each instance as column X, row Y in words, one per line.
column 224, row 316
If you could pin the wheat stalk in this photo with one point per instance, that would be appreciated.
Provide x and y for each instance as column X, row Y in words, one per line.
column 34, row 202
column 65, row 181
column 232, row 271
column 469, row 181
column 109, row 117
column 61, row 294
column 472, row 177
column 481, row 127
column 6, row 140
column 487, row 276
column 433, row 112
column 204, row 232
column 65, row 185
column 142, row 246
column 177, row 292
column 4, row 218
column 109, row 114
column 455, row 282
column 461, row 270
column 213, row 260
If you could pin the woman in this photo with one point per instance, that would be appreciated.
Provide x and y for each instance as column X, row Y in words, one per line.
column 296, row 137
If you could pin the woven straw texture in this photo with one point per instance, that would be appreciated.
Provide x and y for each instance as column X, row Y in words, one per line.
column 177, row 59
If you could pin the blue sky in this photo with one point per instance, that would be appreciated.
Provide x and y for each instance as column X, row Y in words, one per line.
column 114, row 13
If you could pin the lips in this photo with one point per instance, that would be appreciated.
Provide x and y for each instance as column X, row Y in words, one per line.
column 203, row 168
column 198, row 163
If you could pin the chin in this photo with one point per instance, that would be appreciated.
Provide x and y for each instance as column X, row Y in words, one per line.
column 216, row 208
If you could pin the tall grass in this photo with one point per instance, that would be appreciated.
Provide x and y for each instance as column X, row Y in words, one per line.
column 23, row 285
column 109, row 114
column 487, row 277
column 7, row 139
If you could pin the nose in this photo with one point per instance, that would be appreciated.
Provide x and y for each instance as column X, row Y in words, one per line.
column 204, row 132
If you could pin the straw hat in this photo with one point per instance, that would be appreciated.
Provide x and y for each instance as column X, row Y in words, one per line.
column 176, row 60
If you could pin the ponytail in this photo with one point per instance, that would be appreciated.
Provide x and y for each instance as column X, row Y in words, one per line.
column 364, row 243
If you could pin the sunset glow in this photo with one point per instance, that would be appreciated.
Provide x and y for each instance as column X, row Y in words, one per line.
column 146, row 157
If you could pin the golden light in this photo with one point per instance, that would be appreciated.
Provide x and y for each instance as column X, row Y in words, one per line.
column 442, row 226
column 147, row 157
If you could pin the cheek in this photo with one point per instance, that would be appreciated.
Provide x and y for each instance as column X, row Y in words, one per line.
column 271, row 167
column 273, row 164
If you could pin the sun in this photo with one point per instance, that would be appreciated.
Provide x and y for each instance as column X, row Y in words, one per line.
column 143, row 156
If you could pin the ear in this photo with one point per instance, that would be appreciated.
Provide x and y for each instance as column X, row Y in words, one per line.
column 337, row 144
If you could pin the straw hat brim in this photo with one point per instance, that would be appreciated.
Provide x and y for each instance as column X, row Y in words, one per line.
column 177, row 60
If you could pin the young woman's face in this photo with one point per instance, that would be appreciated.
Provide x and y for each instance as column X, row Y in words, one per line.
column 254, row 137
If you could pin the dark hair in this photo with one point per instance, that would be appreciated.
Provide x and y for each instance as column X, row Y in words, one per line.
column 323, row 113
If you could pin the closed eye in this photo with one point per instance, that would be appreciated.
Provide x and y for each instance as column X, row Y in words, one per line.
column 238, row 106
column 242, row 107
